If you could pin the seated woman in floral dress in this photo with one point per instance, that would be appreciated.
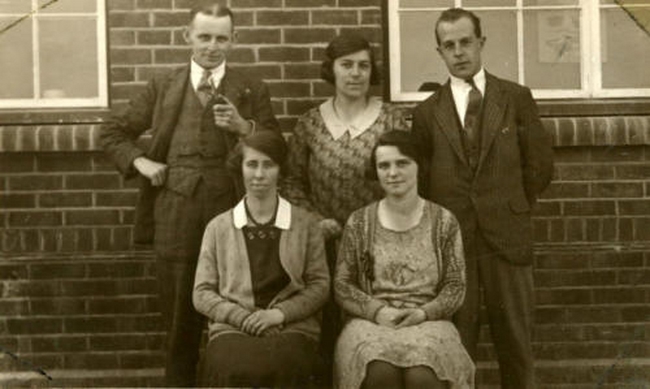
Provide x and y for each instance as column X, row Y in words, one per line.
column 400, row 275
column 261, row 279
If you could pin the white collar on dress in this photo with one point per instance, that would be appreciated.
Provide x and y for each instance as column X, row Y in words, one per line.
column 337, row 128
column 282, row 216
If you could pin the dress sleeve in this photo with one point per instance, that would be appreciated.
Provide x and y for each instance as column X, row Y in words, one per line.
column 295, row 186
column 452, row 286
column 347, row 291
column 206, row 297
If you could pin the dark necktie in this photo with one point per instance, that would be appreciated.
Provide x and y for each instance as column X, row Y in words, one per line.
column 471, row 123
column 204, row 89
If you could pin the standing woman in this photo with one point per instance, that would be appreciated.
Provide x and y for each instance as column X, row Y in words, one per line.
column 261, row 279
column 400, row 276
column 330, row 148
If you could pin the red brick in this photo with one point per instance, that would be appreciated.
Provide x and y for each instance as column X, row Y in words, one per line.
column 16, row 162
column 259, row 36
column 585, row 172
column 28, row 219
column 241, row 54
column 257, row 4
column 572, row 154
column 122, row 74
column 65, row 199
column 634, row 207
column 143, row 73
column 59, row 343
column 359, row 3
column 335, row 17
column 33, row 325
column 8, row 201
column 13, row 307
column 122, row 238
column 323, row 89
column 88, row 288
column 92, row 181
column 625, row 230
column 590, row 208
column 130, row 56
column 131, row 305
column 575, row 230
column 561, row 189
column 170, row 19
column 287, row 123
column 639, row 313
column 563, row 278
column 308, row 35
column 13, row 272
column 121, row 5
column 616, row 154
column 144, row 322
column 90, row 361
column 563, row 296
column 310, row 3
column 301, row 106
column 128, row 19
column 289, row 89
column 116, row 270
column 116, row 342
column 372, row 34
column 55, row 162
column 60, row 270
column 642, row 229
column 592, row 230
column 302, row 71
column 263, row 72
column 633, row 171
column 283, row 54
column 619, row 295
column 116, row 198
column 550, row 315
column 547, row 208
column 95, row 324
column 598, row 314
column 617, row 189
column 171, row 55
column 57, row 306
column 92, row 217
column 278, row 18
column 154, row 37
column 634, row 277
column 540, row 230
column 154, row 4
column 121, row 38
column 35, row 182
column 141, row 360
column 371, row 16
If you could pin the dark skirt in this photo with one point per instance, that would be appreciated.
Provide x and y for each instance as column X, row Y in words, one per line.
column 287, row 360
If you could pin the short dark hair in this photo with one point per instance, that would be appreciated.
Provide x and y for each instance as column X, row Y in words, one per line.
column 454, row 14
column 343, row 45
column 216, row 8
column 405, row 142
column 267, row 142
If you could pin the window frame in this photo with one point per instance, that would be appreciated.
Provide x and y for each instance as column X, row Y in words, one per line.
column 588, row 99
column 14, row 107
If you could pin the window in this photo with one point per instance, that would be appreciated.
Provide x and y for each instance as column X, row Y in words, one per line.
column 559, row 48
column 53, row 54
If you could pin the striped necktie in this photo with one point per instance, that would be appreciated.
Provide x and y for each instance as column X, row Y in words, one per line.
column 471, row 123
column 204, row 89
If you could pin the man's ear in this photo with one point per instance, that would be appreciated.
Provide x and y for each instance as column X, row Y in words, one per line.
column 234, row 35
column 439, row 50
column 186, row 34
column 482, row 41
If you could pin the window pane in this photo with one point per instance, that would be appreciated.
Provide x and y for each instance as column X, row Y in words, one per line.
column 68, row 57
column 16, row 64
column 625, row 50
column 15, row 6
column 532, row 3
column 62, row 6
column 489, row 3
column 552, row 49
column 419, row 61
column 426, row 3
column 500, row 51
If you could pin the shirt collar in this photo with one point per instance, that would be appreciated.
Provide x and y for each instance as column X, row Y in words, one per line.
column 196, row 73
column 338, row 128
column 479, row 80
column 282, row 217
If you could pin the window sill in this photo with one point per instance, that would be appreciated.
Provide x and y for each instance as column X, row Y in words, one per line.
column 594, row 107
column 53, row 116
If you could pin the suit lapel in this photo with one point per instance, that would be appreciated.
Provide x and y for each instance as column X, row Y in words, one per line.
column 446, row 115
column 232, row 87
column 493, row 110
column 171, row 107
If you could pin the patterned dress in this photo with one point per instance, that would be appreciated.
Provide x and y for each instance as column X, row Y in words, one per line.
column 421, row 267
column 328, row 159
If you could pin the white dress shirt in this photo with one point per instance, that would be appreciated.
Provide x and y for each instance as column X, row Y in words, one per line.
column 196, row 73
column 460, row 90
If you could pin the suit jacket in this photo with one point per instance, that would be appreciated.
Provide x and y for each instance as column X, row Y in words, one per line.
column 515, row 164
column 157, row 109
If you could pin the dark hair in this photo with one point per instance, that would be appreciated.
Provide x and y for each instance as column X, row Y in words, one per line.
column 454, row 14
column 267, row 142
column 343, row 45
column 216, row 8
column 405, row 143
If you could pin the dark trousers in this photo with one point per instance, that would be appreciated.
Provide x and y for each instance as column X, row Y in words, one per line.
column 331, row 324
column 507, row 291
column 180, row 222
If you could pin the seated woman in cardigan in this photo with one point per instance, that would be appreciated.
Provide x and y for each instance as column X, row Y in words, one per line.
column 400, row 275
column 261, row 279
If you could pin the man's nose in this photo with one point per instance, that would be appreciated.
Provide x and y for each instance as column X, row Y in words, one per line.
column 457, row 50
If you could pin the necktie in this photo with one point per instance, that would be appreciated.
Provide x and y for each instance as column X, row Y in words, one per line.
column 204, row 89
column 471, row 123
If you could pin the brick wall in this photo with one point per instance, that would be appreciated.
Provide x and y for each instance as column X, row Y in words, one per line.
column 76, row 295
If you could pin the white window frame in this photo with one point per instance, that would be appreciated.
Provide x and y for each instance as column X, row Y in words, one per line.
column 591, row 71
column 102, row 68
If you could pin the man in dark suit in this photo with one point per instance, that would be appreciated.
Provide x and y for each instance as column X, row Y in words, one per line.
column 196, row 114
column 488, row 159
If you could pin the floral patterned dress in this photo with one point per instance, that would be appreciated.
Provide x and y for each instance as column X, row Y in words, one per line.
column 421, row 267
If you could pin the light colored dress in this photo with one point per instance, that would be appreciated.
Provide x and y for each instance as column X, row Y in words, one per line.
column 421, row 267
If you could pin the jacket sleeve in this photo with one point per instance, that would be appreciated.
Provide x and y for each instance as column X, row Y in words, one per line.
column 347, row 292
column 452, row 286
column 536, row 147
column 206, row 297
column 421, row 133
column 120, row 132
column 262, row 109
column 316, row 277
column 295, row 186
